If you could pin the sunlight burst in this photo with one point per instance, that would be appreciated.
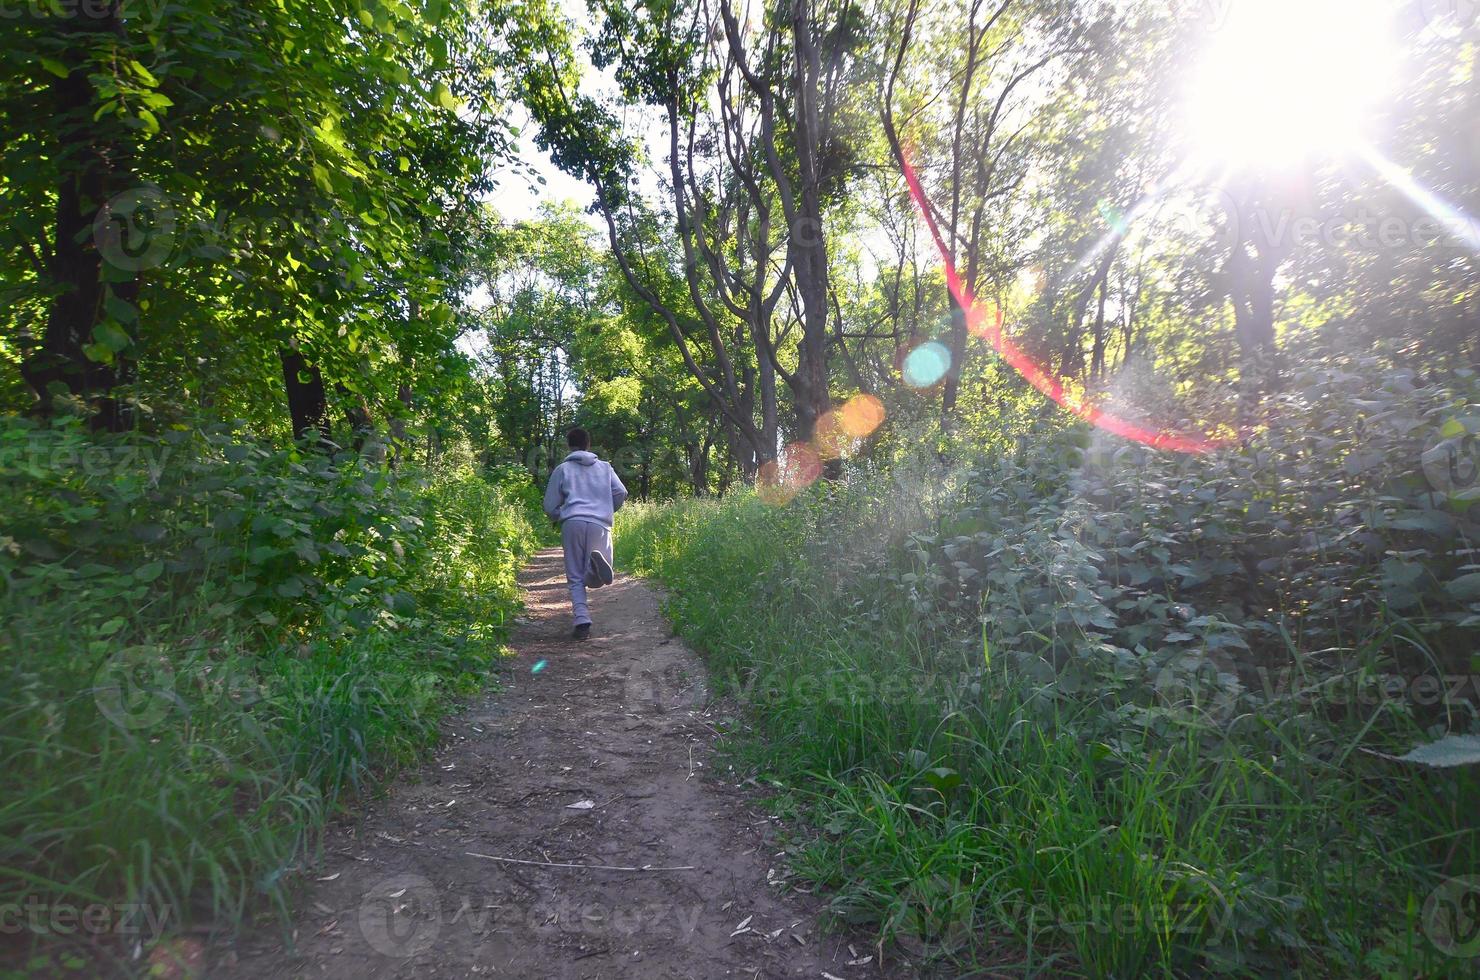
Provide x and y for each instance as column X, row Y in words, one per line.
column 1283, row 82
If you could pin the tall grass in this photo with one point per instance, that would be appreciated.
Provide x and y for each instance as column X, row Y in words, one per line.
column 979, row 814
column 174, row 741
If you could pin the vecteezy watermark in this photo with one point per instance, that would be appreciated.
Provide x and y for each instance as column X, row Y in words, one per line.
column 405, row 914
column 135, row 688
column 144, row 228
column 1451, row 917
column 936, row 917
column 1212, row 14
column 133, row 13
column 401, row 916
column 661, row 688
column 1453, row 463
column 39, row 453
column 1208, row 15
column 136, row 230
column 138, row 687
column 672, row 689
column 1231, row 222
column 628, row 460
column 42, row 916
column 1371, row 689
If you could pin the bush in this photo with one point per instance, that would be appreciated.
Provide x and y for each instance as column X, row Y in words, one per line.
column 1022, row 695
column 210, row 642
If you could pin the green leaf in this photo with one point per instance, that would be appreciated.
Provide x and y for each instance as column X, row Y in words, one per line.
column 442, row 95
column 144, row 74
column 942, row 779
column 1451, row 750
column 112, row 337
column 55, row 67
column 120, row 310
column 149, row 572
column 1466, row 588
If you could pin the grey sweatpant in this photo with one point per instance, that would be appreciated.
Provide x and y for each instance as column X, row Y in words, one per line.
column 579, row 539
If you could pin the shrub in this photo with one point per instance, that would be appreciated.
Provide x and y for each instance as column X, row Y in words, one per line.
column 209, row 642
column 1018, row 693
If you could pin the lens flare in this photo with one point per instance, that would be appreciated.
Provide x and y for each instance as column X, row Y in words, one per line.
column 1455, row 221
column 860, row 415
column 926, row 365
column 984, row 322
column 1279, row 83
column 828, row 438
column 778, row 480
column 1031, row 371
column 839, row 429
column 1112, row 216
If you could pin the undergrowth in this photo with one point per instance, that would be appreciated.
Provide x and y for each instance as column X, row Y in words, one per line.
column 210, row 644
column 1041, row 716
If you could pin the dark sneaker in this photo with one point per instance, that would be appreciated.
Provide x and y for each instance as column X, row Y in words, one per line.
column 582, row 632
column 601, row 567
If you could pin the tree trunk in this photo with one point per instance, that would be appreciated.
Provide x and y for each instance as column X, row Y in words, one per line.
column 1250, row 272
column 90, row 164
column 808, row 243
column 1097, row 354
column 308, row 404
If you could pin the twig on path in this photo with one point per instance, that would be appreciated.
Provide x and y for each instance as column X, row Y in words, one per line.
column 595, row 952
column 584, row 867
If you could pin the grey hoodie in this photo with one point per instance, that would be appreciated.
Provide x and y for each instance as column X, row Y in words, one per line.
column 584, row 488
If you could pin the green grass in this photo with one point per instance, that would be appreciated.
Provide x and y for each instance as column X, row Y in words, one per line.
column 183, row 756
column 978, row 816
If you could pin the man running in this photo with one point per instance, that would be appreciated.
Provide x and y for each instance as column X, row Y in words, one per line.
column 583, row 494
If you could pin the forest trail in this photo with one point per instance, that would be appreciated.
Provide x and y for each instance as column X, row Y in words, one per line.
column 601, row 757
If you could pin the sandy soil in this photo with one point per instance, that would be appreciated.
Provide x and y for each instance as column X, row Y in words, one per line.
column 593, row 754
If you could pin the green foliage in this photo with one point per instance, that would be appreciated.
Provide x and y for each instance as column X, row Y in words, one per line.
column 1451, row 750
column 1110, row 712
column 282, row 174
column 561, row 319
column 210, row 644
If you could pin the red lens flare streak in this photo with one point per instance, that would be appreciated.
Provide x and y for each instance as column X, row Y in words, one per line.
column 985, row 321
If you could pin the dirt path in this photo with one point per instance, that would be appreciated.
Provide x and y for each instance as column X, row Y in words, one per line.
column 602, row 756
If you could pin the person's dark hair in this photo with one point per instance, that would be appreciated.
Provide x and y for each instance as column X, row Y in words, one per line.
column 578, row 438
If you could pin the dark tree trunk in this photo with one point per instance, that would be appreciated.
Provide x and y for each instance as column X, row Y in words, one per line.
column 1259, row 251
column 808, row 242
column 308, row 403
column 951, row 388
column 1097, row 355
column 699, row 465
column 90, row 166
